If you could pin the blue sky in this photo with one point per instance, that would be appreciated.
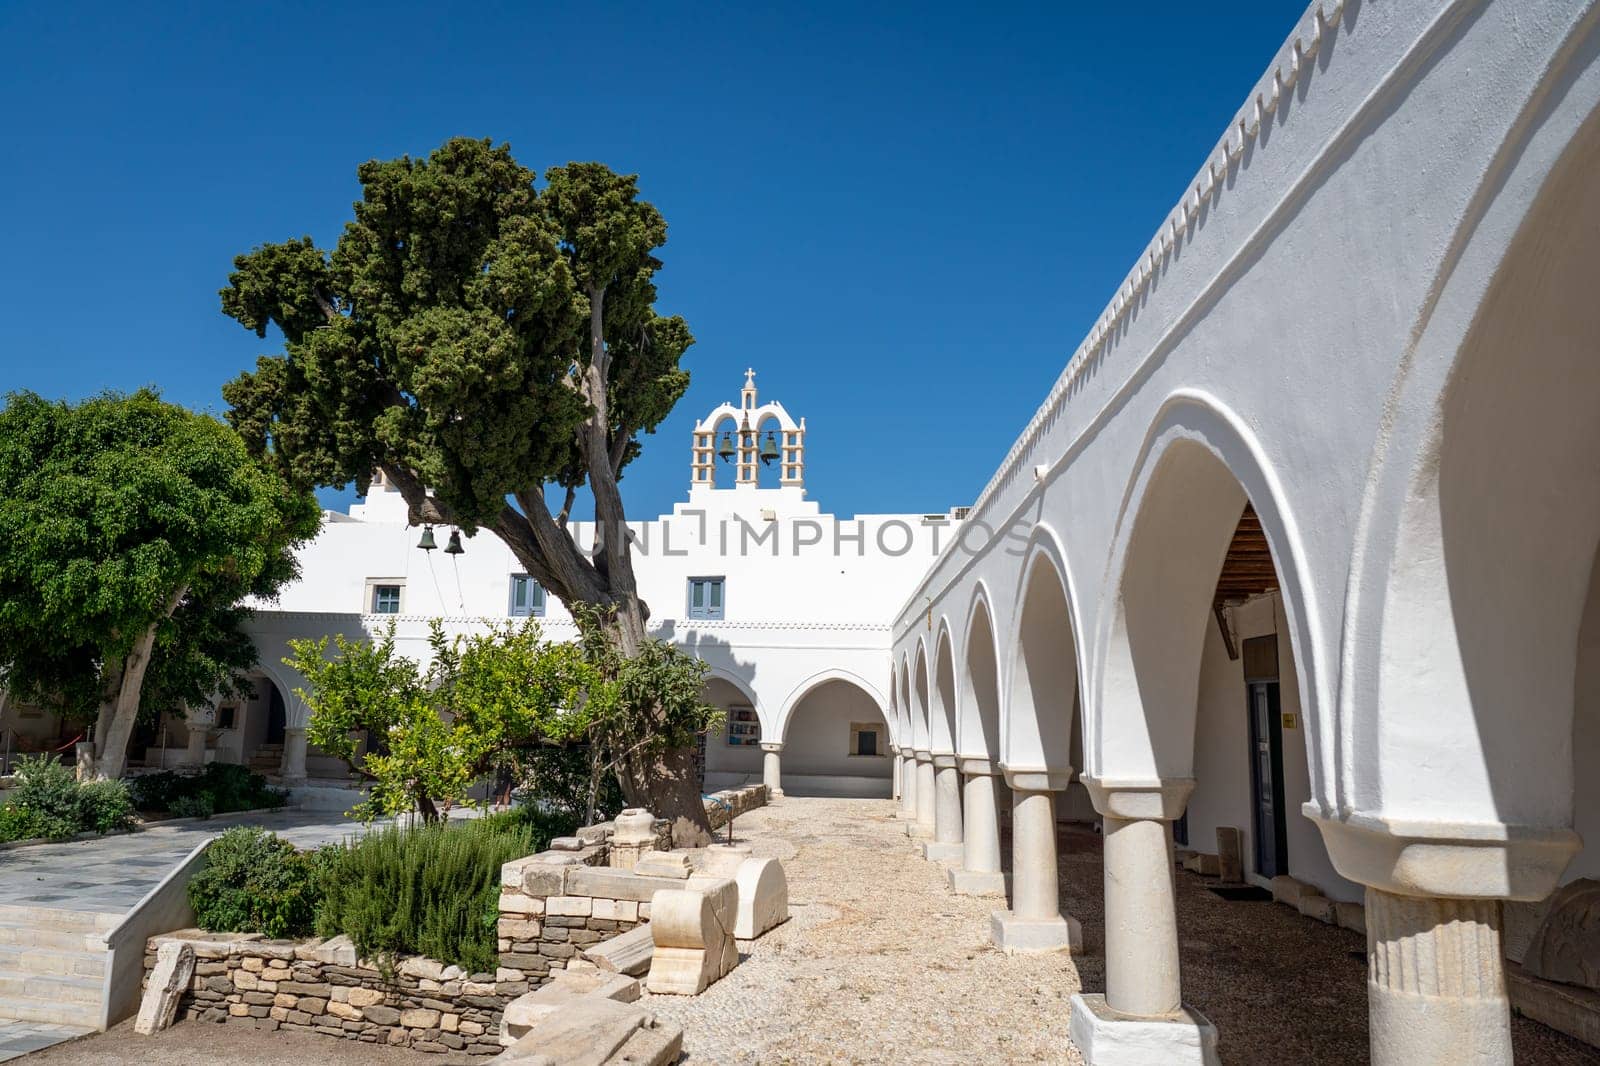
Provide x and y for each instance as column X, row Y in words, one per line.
column 905, row 217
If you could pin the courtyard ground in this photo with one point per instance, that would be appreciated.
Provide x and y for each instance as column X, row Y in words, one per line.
column 880, row 963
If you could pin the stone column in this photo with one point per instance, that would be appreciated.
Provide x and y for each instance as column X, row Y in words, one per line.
column 894, row 770
column 979, row 873
column 292, row 771
column 1142, row 1010
column 198, row 731
column 908, row 788
column 925, row 777
column 772, row 768
column 1436, row 986
column 1035, row 922
column 946, row 843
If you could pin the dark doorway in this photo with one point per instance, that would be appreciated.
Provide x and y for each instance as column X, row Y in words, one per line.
column 1266, row 755
column 277, row 718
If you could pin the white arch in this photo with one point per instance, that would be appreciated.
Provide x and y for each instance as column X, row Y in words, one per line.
column 1030, row 740
column 942, row 698
column 1122, row 740
column 972, row 737
column 806, row 687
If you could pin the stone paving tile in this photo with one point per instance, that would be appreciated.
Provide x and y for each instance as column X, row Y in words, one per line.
column 18, row 1038
column 110, row 874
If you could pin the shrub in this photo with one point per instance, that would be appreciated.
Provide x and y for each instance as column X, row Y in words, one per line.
column 254, row 882
column 105, row 806
column 199, row 805
column 225, row 787
column 19, row 823
column 428, row 890
column 50, row 789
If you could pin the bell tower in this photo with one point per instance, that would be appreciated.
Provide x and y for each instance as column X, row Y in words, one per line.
column 748, row 437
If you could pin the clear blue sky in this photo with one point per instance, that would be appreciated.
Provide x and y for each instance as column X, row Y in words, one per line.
column 905, row 217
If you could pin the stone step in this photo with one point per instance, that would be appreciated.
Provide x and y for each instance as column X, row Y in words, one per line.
column 49, row 989
column 60, row 920
column 53, row 962
column 28, row 1009
column 31, row 936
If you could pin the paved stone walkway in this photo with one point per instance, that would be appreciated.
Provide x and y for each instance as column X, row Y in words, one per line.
column 21, row 1038
column 110, row 874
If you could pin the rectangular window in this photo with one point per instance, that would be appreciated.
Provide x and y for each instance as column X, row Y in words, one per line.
column 385, row 599
column 705, row 597
column 527, row 597
column 864, row 739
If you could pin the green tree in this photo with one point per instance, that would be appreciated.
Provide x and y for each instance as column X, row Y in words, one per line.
column 129, row 530
column 487, row 702
column 480, row 341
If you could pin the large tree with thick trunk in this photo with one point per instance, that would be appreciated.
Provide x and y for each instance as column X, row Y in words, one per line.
column 130, row 529
column 481, row 341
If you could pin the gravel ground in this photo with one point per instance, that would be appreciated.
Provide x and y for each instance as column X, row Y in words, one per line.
column 881, row 963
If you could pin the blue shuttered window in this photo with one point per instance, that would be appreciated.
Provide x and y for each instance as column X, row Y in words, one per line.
column 705, row 597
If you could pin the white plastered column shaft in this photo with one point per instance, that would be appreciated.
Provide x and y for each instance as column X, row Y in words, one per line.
column 946, row 843
column 925, row 776
column 1035, row 922
column 979, row 873
column 1141, row 1018
column 772, row 768
column 894, row 767
column 293, row 767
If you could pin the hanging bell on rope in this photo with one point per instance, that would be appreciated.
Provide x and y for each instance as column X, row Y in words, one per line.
column 725, row 450
column 454, row 547
column 427, row 543
column 769, row 450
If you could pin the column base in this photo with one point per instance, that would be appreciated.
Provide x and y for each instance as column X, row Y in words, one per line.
column 1107, row 1038
column 976, row 882
column 774, row 793
column 934, row 851
column 1034, row 936
column 919, row 831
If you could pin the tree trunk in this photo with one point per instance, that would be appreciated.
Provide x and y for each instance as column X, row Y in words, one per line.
column 112, row 751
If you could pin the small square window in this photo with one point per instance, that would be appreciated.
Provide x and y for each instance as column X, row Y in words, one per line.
column 744, row 728
column 386, row 599
column 705, row 597
column 864, row 739
column 527, row 597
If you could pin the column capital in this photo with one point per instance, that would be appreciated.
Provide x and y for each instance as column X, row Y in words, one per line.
column 772, row 745
column 1137, row 800
column 924, row 755
column 1037, row 778
column 944, row 760
column 975, row 765
column 1453, row 860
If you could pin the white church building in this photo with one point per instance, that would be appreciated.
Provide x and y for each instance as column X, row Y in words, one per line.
column 789, row 607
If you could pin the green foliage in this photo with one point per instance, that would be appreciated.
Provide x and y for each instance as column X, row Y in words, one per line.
column 105, row 806
column 219, row 788
column 126, row 520
column 20, row 823
column 438, row 337
column 49, row 801
column 253, row 882
column 559, row 778
column 428, row 890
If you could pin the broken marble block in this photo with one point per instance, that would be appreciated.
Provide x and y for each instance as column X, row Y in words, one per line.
column 763, row 897
column 168, row 982
column 633, row 836
column 673, row 864
column 693, row 933
column 527, row 1011
column 1230, row 854
column 597, row 1032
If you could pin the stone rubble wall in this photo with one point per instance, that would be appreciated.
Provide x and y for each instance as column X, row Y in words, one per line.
column 556, row 903
column 320, row 987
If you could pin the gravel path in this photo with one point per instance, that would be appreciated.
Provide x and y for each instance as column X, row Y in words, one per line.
column 881, row 963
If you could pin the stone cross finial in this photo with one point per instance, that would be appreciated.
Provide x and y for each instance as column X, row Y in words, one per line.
column 750, row 378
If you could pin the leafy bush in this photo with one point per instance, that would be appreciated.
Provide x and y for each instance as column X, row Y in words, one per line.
column 427, row 890
column 105, row 806
column 199, row 805
column 561, row 777
column 254, row 882
column 20, row 823
column 57, row 805
column 224, row 787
